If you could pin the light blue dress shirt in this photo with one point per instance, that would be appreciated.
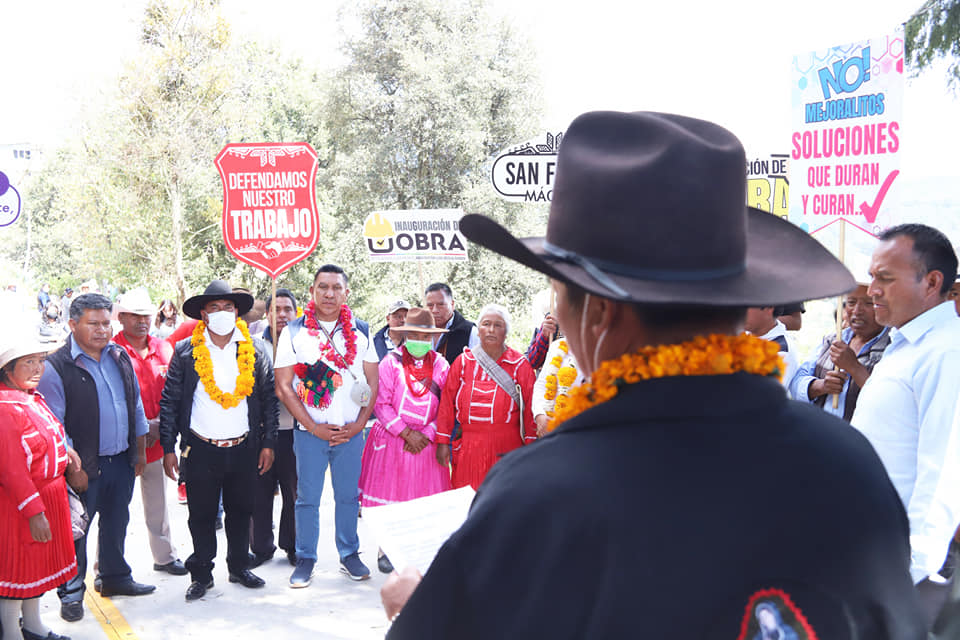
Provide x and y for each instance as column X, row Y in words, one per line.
column 906, row 411
column 110, row 398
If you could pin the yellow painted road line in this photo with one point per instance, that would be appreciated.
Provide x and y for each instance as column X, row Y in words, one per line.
column 114, row 625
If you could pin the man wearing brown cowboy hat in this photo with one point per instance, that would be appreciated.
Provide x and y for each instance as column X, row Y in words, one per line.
column 679, row 488
column 219, row 400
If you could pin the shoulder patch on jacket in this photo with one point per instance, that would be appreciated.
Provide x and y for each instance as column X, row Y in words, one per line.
column 771, row 613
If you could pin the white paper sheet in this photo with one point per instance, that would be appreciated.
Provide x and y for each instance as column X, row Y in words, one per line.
column 412, row 532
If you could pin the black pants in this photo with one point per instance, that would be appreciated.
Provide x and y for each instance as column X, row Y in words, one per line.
column 107, row 495
column 284, row 473
column 207, row 470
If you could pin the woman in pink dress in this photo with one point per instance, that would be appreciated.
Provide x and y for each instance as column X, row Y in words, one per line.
column 36, row 536
column 399, row 457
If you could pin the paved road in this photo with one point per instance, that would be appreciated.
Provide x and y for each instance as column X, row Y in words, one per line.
column 332, row 607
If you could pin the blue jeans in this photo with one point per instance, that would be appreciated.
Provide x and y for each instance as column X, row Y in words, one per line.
column 313, row 455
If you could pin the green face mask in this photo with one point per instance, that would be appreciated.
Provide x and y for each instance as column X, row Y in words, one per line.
column 417, row 348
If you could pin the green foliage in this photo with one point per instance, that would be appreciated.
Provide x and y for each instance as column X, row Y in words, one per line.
column 933, row 33
column 430, row 91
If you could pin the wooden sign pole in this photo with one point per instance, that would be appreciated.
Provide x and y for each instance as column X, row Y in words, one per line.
column 840, row 254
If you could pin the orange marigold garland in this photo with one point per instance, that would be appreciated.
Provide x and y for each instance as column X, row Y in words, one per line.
column 715, row 354
column 204, row 366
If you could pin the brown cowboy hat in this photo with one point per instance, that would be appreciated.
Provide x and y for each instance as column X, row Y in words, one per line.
column 419, row 320
column 649, row 207
column 217, row 290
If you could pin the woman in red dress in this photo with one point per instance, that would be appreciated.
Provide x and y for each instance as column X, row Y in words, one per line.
column 488, row 411
column 36, row 537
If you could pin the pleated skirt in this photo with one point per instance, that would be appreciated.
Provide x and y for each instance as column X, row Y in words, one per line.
column 390, row 474
column 481, row 446
column 28, row 568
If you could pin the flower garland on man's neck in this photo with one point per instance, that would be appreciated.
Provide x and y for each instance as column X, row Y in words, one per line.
column 327, row 349
column 715, row 354
column 557, row 378
column 203, row 365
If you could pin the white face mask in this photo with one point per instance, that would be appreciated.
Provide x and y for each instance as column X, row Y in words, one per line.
column 221, row 322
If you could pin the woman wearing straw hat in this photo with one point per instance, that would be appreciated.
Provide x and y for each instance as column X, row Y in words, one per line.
column 36, row 537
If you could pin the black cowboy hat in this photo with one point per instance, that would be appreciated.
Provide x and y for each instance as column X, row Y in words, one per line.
column 217, row 290
column 649, row 207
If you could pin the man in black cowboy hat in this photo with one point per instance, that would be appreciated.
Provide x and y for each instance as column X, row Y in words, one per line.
column 680, row 488
column 219, row 400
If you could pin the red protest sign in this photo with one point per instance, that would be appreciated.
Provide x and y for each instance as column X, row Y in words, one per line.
column 270, row 215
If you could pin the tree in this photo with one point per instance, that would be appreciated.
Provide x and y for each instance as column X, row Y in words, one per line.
column 430, row 92
column 136, row 197
column 933, row 33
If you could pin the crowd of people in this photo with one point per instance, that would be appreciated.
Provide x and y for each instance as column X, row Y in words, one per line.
column 598, row 453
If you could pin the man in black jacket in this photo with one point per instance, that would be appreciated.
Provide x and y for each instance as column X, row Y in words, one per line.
column 386, row 340
column 438, row 299
column 219, row 400
column 91, row 387
column 680, row 495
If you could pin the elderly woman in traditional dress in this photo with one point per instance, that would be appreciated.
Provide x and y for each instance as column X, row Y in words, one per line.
column 399, row 458
column 488, row 392
column 36, row 536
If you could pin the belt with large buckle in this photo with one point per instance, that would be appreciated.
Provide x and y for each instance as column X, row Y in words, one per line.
column 223, row 444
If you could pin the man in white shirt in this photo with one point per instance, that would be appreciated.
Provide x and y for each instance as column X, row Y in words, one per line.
column 326, row 376
column 762, row 323
column 906, row 408
column 219, row 400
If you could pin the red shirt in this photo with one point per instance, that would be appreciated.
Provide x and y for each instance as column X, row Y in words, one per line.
column 151, row 374
column 185, row 330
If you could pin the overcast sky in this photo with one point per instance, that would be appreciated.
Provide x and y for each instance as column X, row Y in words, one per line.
column 724, row 61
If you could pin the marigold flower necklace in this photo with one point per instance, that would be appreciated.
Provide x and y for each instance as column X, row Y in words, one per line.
column 203, row 365
column 715, row 354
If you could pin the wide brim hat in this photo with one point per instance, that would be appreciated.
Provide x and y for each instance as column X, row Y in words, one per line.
column 650, row 207
column 136, row 301
column 419, row 321
column 217, row 290
column 18, row 343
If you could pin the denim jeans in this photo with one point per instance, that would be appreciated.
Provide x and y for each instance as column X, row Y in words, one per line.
column 313, row 455
column 109, row 496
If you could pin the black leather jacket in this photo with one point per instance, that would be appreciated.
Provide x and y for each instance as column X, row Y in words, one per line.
column 176, row 403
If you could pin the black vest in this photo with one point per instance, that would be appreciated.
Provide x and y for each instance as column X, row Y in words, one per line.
column 380, row 342
column 456, row 340
column 81, row 418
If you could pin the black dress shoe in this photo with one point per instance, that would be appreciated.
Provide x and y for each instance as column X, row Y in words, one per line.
column 29, row 635
column 384, row 564
column 257, row 559
column 128, row 588
column 247, row 579
column 71, row 611
column 292, row 558
column 197, row 590
column 97, row 584
column 174, row 568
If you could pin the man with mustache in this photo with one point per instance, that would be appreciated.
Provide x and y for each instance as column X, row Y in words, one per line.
column 841, row 366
